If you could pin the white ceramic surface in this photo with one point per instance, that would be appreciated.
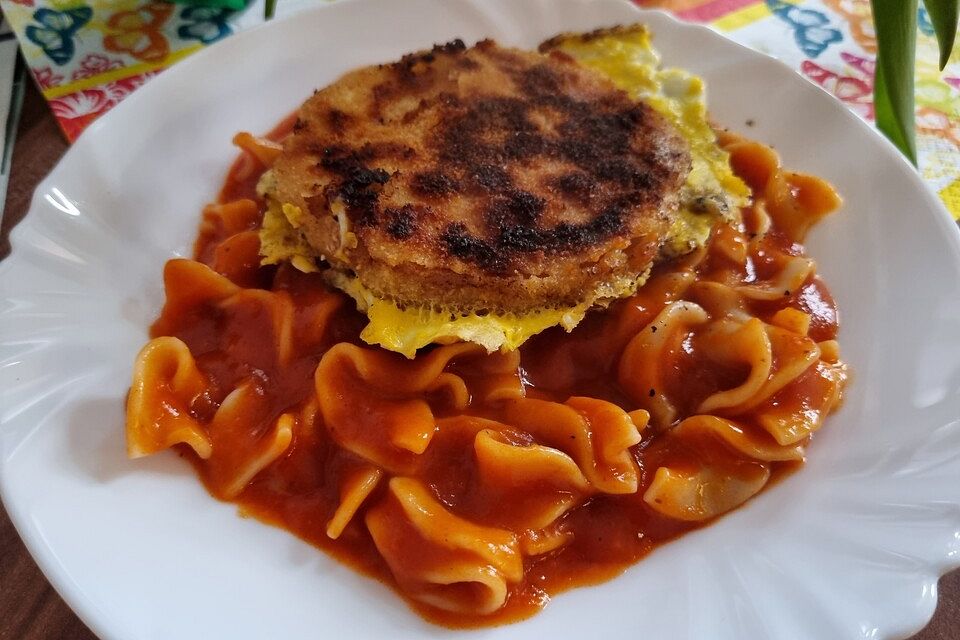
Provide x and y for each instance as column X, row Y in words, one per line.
column 849, row 547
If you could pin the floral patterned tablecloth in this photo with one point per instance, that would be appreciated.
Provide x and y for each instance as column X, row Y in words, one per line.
column 88, row 55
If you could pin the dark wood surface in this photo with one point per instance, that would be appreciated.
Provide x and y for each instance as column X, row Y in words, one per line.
column 29, row 607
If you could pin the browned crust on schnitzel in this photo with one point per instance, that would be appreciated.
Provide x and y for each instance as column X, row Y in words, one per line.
column 552, row 44
column 483, row 178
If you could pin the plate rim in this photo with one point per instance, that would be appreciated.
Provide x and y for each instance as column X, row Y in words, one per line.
column 86, row 609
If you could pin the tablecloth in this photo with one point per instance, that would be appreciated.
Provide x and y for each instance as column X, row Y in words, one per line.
column 88, row 55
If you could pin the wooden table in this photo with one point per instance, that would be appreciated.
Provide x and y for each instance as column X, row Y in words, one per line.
column 29, row 607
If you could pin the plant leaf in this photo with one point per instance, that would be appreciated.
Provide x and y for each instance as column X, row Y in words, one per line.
column 944, row 15
column 893, row 89
column 887, row 120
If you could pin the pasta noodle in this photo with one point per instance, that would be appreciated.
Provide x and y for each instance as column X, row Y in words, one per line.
column 166, row 382
column 479, row 484
column 596, row 434
column 448, row 562
column 355, row 490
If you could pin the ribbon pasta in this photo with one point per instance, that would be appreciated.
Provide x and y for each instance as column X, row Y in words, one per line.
column 478, row 484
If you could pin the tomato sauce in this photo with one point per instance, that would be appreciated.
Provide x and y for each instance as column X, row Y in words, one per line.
column 299, row 492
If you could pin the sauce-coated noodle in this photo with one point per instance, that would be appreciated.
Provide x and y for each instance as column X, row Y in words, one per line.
column 477, row 485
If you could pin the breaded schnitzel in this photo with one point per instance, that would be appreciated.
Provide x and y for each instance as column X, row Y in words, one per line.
column 482, row 193
column 483, row 179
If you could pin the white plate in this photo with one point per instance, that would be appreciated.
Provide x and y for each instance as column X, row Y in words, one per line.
column 849, row 547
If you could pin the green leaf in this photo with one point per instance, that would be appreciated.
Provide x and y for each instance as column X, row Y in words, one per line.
column 887, row 120
column 944, row 15
column 893, row 92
